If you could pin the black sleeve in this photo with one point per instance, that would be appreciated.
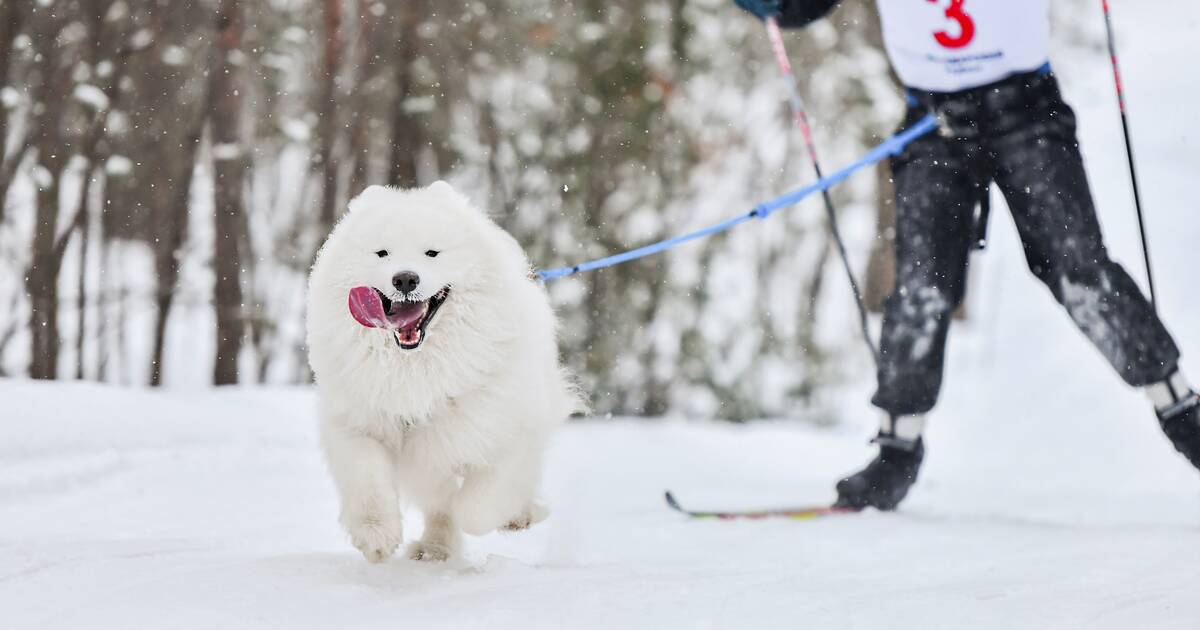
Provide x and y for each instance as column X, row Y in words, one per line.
column 797, row 13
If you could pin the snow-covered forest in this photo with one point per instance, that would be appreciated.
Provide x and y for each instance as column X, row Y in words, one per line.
column 170, row 168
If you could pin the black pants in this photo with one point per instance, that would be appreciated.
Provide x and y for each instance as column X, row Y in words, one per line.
column 1019, row 133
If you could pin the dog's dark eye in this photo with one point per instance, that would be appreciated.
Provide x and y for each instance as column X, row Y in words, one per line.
column 432, row 253
column 381, row 253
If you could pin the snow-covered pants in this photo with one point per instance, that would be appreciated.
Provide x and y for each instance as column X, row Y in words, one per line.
column 1020, row 134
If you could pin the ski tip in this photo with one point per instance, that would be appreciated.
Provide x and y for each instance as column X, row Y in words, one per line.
column 671, row 501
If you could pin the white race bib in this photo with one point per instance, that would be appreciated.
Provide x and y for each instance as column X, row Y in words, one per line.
column 952, row 45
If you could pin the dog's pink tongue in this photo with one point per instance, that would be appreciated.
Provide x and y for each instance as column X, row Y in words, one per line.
column 406, row 315
column 367, row 308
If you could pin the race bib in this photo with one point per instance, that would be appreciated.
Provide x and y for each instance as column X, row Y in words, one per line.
column 952, row 45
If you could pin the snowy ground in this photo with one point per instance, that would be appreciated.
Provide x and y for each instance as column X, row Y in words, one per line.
column 1049, row 498
column 125, row 509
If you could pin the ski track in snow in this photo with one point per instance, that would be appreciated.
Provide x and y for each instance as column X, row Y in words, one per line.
column 1049, row 498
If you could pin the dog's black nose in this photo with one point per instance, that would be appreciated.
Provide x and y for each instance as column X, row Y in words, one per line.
column 406, row 281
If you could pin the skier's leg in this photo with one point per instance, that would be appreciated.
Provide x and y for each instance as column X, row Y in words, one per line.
column 1040, row 171
column 935, row 197
column 935, row 202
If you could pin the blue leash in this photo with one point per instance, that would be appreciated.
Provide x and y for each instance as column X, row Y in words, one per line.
column 891, row 146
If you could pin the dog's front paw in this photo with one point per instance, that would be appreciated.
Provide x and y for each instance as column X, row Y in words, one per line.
column 376, row 539
column 425, row 551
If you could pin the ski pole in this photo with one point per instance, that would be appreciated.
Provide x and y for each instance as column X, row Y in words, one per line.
column 1137, row 197
column 801, row 117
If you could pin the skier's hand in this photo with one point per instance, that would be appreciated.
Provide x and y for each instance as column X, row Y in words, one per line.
column 762, row 9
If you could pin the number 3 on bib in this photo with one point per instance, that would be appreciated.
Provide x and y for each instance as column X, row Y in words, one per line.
column 966, row 26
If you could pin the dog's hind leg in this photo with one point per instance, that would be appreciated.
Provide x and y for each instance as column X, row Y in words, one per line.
column 441, row 539
column 534, row 513
column 363, row 471
column 501, row 495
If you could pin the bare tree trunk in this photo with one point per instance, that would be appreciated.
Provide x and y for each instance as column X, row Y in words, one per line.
column 8, row 172
column 360, row 130
column 41, row 279
column 406, row 129
column 173, row 231
column 10, row 25
column 261, row 329
column 104, row 248
column 881, row 266
column 125, row 376
column 41, row 283
column 83, row 219
column 229, row 169
column 168, row 201
column 9, row 331
column 327, row 111
column 82, row 224
column 100, row 300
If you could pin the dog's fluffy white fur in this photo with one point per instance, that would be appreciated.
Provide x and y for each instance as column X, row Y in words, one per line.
column 457, row 426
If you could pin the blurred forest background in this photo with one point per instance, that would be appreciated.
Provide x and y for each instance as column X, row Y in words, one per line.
column 169, row 169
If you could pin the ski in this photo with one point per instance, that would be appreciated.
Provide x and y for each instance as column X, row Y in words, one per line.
column 797, row 513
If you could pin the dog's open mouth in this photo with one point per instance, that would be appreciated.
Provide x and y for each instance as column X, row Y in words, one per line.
column 407, row 319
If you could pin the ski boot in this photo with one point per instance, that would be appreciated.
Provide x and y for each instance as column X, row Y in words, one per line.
column 886, row 480
column 1181, row 422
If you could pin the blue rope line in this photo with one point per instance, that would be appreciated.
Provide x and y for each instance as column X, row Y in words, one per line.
column 891, row 146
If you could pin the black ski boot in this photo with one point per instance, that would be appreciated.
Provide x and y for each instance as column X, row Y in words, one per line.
column 886, row 480
column 1181, row 422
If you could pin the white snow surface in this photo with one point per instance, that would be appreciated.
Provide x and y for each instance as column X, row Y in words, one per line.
column 1049, row 498
column 128, row 509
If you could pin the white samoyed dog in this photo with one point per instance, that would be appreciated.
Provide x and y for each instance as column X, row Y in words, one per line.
column 437, row 370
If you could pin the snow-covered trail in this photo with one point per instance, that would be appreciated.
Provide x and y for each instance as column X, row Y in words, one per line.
column 213, row 510
column 1049, row 498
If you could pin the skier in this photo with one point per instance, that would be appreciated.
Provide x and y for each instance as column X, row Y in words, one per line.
column 982, row 68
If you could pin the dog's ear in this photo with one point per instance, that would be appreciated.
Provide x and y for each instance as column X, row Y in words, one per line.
column 442, row 188
column 445, row 191
column 374, row 191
